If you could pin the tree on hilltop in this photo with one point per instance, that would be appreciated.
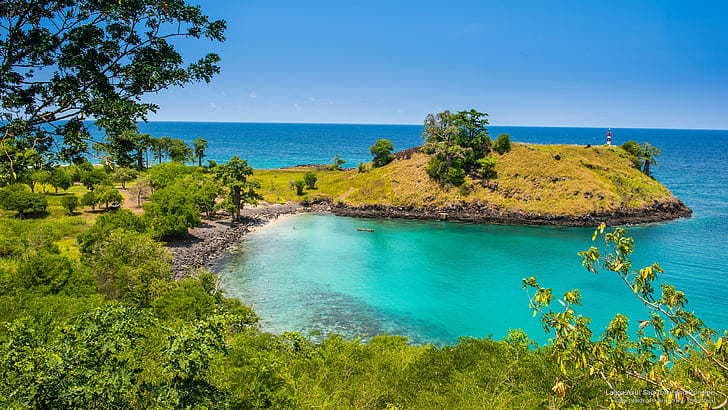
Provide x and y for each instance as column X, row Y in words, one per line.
column 643, row 155
column 455, row 143
column 382, row 152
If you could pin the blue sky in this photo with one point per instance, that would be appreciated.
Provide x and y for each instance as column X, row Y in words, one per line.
column 661, row 64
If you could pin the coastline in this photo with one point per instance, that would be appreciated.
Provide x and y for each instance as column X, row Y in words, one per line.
column 482, row 213
column 207, row 244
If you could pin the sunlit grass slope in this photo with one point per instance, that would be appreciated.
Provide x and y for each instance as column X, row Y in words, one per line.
column 547, row 179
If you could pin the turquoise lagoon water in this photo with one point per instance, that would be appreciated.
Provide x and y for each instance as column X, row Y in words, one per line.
column 434, row 281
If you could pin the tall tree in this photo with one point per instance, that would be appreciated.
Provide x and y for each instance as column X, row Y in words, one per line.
column 643, row 155
column 455, row 141
column 234, row 175
column 160, row 147
column 382, row 152
column 199, row 145
column 179, row 151
column 62, row 61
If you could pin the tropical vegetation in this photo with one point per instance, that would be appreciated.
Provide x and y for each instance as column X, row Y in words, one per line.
column 93, row 316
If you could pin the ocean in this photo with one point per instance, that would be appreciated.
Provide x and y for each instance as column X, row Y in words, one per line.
column 435, row 281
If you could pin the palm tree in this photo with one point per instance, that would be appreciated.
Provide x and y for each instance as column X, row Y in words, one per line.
column 199, row 144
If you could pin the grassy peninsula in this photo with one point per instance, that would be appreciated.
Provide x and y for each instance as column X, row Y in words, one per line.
column 531, row 179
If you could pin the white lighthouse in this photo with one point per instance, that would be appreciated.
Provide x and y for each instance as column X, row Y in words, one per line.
column 609, row 136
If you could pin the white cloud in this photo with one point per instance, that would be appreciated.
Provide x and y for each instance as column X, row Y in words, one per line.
column 253, row 94
column 297, row 107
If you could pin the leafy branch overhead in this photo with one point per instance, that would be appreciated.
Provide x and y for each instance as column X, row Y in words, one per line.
column 674, row 352
column 65, row 61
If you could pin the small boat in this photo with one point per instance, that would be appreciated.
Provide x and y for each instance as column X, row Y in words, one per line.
column 365, row 229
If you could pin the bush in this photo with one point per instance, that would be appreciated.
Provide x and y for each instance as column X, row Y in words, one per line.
column 47, row 273
column 487, row 167
column 502, row 144
column 337, row 163
column 363, row 167
column 69, row 203
column 171, row 212
column 382, row 152
column 128, row 266
column 105, row 224
column 299, row 185
column 456, row 176
column 18, row 198
column 310, row 179
column 465, row 189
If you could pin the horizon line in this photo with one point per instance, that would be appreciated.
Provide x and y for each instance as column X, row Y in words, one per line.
column 411, row 124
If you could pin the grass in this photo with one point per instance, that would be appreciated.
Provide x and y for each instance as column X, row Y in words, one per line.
column 56, row 223
column 546, row 179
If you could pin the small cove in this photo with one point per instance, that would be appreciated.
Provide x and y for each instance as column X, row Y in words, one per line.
column 438, row 281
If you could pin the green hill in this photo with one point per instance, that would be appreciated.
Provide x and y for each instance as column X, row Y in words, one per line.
column 533, row 181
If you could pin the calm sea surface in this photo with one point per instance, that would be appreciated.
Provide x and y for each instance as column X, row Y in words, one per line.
column 435, row 282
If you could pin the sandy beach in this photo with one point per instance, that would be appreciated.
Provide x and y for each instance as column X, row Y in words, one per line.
column 206, row 244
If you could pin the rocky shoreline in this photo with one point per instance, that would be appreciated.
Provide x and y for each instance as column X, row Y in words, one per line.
column 205, row 245
column 487, row 214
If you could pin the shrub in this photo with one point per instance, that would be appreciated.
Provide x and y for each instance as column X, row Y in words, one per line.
column 18, row 198
column 337, row 163
column 299, row 185
column 128, row 265
column 382, row 152
column 487, row 167
column 465, row 189
column 171, row 212
column 45, row 272
column 456, row 176
column 310, row 179
column 362, row 167
column 69, row 203
column 502, row 144
column 106, row 223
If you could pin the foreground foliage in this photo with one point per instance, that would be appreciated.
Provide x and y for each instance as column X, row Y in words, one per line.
column 111, row 328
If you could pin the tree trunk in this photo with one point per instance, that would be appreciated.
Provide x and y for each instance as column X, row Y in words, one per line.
column 646, row 168
column 236, row 201
column 140, row 160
